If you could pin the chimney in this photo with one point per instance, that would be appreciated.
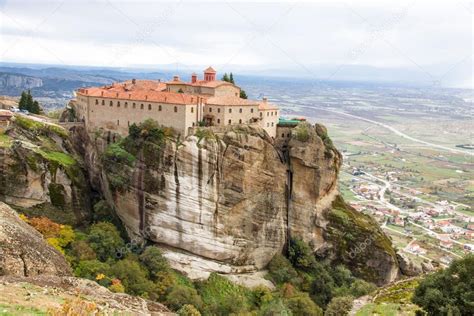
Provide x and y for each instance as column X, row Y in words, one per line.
column 193, row 78
column 134, row 81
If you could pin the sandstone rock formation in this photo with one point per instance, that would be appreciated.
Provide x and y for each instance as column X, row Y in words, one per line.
column 23, row 251
column 69, row 296
column 228, row 200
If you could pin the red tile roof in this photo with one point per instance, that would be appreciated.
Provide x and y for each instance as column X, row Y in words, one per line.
column 265, row 105
column 230, row 100
column 122, row 91
column 209, row 69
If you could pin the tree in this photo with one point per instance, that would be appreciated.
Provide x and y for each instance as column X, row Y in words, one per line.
column 243, row 95
column 154, row 261
column 133, row 276
column 225, row 77
column 105, row 240
column 89, row 269
column 360, row 288
column 23, row 104
column 301, row 255
column 231, row 78
column 339, row 306
column 449, row 291
column 35, row 108
column 188, row 310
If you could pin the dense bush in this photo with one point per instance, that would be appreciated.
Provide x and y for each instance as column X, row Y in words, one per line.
column 105, row 240
column 134, row 277
column 153, row 260
column 339, row 306
column 301, row 304
column 281, row 271
column 449, row 291
column 90, row 269
column 181, row 295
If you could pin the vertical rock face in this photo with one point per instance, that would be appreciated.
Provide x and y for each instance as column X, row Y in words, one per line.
column 228, row 201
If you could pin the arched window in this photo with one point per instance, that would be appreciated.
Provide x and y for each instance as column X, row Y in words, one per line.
column 96, row 101
column 192, row 109
column 288, row 135
column 230, row 110
column 141, row 106
column 159, row 107
column 251, row 110
column 240, row 121
column 118, row 104
column 111, row 103
column 126, row 105
column 218, row 110
column 261, row 114
column 176, row 109
column 282, row 135
column 230, row 122
column 134, row 105
column 103, row 102
column 272, row 124
column 149, row 106
column 218, row 121
column 240, row 110
column 210, row 109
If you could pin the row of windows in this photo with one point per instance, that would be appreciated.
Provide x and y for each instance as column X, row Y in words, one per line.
column 134, row 105
column 230, row 110
column 268, row 124
column 283, row 135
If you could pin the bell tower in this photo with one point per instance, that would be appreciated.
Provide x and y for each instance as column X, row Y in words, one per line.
column 209, row 74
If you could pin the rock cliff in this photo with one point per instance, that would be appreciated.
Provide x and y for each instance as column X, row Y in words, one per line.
column 228, row 200
column 41, row 172
column 23, row 251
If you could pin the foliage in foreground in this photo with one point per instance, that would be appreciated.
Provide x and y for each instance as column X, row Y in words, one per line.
column 449, row 291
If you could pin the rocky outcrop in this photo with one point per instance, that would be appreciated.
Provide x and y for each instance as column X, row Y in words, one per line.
column 42, row 173
column 23, row 251
column 10, row 80
column 228, row 200
column 46, row 294
column 411, row 268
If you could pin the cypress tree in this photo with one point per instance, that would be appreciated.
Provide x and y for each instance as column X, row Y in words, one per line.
column 243, row 95
column 225, row 77
column 35, row 108
column 29, row 101
column 231, row 78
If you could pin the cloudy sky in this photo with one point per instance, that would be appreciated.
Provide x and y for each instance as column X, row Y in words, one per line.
column 420, row 40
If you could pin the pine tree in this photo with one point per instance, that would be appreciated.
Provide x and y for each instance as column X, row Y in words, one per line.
column 29, row 101
column 225, row 77
column 243, row 95
column 231, row 78
column 35, row 108
column 23, row 105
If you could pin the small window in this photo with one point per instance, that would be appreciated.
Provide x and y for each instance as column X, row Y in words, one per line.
column 236, row 94
column 261, row 114
column 118, row 104
column 111, row 103
column 272, row 124
column 159, row 107
column 103, row 102
column 175, row 109
column 210, row 109
column 134, row 105
column 149, row 106
column 118, row 122
column 141, row 106
column 192, row 109
column 282, row 135
column 230, row 110
column 218, row 110
column 268, row 124
column 240, row 110
column 96, row 101
column 230, row 122
column 218, row 121
column 126, row 105
column 240, row 121
column 251, row 110
column 193, row 124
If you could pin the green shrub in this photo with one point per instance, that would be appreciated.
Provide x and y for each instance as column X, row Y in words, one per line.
column 301, row 304
column 281, row 271
column 301, row 132
column 301, row 255
column 360, row 288
column 134, row 277
column 89, row 269
column 180, row 296
column 188, row 310
column 154, row 261
column 339, row 306
column 105, row 240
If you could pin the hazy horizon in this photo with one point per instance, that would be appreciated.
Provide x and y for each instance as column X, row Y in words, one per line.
column 425, row 43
